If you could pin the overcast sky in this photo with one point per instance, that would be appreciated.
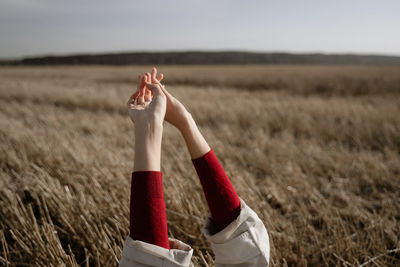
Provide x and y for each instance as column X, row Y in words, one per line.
column 39, row 27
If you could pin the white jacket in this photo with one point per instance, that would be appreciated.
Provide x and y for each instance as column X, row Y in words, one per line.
column 244, row 242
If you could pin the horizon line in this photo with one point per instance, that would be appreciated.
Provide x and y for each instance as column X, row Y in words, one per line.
column 197, row 51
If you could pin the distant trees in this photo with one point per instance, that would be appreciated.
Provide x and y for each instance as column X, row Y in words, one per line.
column 193, row 57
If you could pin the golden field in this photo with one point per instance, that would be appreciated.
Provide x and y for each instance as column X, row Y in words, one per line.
column 314, row 150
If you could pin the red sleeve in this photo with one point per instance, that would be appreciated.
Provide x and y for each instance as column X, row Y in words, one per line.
column 222, row 199
column 148, row 220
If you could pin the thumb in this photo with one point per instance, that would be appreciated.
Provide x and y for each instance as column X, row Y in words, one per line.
column 162, row 87
column 155, row 88
column 159, row 100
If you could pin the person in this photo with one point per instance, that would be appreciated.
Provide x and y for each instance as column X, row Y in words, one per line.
column 237, row 236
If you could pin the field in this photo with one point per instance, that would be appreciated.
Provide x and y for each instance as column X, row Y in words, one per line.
column 314, row 150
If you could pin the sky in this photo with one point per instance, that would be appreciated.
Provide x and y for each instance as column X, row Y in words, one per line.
column 48, row 27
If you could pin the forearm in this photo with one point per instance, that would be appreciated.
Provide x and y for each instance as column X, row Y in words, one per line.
column 148, row 221
column 195, row 141
column 148, row 147
column 222, row 199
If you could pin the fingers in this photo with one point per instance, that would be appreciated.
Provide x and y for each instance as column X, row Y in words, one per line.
column 153, row 75
column 151, row 78
column 147, row 78
column 140, row 99
column 155, row 78
column 158, row 80
column 155, row 88
column 147, row 95
column 140, row 85
column 148, row 86
column 159, row 101
column 139, row 94
column 140, row 82
column 132, row 99
column 163, row 87
column 130, row 102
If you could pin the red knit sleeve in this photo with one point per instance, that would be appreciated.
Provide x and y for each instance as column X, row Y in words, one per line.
column 222, row 199
column 148, row 220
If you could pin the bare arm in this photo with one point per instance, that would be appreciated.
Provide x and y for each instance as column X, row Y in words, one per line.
column 148, row 147
column 147, row 220
column 177, row 115
column 195, row 141
column 147, row 112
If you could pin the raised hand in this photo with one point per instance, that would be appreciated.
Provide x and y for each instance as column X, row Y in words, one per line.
column 176, row 113
column 147, row 108
column 148, row 103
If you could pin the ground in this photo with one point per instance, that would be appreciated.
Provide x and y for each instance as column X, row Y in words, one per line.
column 314, row 150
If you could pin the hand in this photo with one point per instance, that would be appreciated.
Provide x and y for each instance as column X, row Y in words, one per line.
column 176, row 113
column 147, row 108
column 148, row 103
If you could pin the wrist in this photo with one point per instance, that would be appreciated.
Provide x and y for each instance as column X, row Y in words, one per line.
column 148, row 128
column 147, row 155
column 195, row 141
column 187, row 123
column 148, row 139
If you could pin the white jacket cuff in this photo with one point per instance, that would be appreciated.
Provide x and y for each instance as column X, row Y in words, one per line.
column 138, row 253
column 244, row 242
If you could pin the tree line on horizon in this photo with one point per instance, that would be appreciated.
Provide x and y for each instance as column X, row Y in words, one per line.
column 200, row 58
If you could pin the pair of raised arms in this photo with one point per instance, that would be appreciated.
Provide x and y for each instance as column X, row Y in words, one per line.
column 152, row 102
column 148, row 107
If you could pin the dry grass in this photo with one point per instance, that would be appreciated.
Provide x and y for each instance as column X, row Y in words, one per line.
column 314, row 150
